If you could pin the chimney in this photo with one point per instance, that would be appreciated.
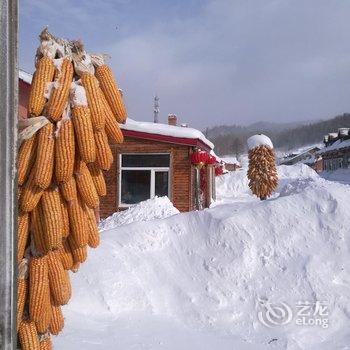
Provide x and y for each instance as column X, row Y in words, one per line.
column 172, row 119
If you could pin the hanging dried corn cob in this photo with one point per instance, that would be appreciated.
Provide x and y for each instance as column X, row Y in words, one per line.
column 21, row 289
column 57, row 320
column 26, row 159
column 31, row 193
column 45, row 342
column 109, row 87
column 45, row 156
column 64, row 151
column 98, row 179
column 79, row 253
column 52, row 214
column 93, row 234
column 104, row 156
column 59, row 96
column 86, row 185
column 66, row 255
column 112, row 128
column 22, row 235
column 65, row 218
column 28, row 336
column 38, row 288
column 77, row 222
column 38, row 231
column 69, row 190
column 58, row 280
column 81, row 117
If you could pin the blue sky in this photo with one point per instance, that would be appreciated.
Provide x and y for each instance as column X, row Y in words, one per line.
column 212, row 61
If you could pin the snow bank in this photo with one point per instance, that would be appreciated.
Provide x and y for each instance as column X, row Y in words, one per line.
column 156, row 208
column 258, row 140
column 234, row 184
column 339, row 175
column 200, row 275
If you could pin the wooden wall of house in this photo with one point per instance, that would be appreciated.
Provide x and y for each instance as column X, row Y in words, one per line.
column 180, row 173
column 23, row 98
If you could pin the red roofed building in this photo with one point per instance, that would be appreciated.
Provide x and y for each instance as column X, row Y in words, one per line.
column 154, row 160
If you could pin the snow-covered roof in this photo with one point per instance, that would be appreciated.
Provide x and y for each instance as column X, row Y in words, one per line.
column 339, row 144
column 26, row 77
column 258, row 140
column 165, row 129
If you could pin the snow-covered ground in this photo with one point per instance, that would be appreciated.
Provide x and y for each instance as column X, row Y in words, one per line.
column 339, row 175
column 221, row 278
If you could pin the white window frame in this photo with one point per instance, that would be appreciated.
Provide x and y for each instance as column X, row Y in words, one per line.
column 153, row 172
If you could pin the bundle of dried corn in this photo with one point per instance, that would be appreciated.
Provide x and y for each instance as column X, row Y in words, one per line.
column 60, row 172
column 262, row 173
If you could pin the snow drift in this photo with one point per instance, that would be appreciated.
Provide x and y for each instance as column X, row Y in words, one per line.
column 193, row 280
column 156, row 208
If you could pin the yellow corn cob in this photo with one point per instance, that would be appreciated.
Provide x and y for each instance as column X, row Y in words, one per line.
column 84, row 133
column 98, row 179
column 94, row 236
column 26, row 159
column 57, row 320
column 65, row 218
column 22, row 234
column 110, row 89
column 21, row 290
column 52, row 213
column 31, row 194
column 69, row 190
column 112, row 128
column 64, row 151
column 45, row 156
column 28, row 336
column 77, row 222
column 44, row 74
column 38, row 230
column 66, row 256
column 38, row 288
column 75, row 267
column 90, row 84
column 59, row 282
column 43, row 324
column 86, row 185
column 79, row 253
column 104, row 156
column 59, row 95
column 46, row 343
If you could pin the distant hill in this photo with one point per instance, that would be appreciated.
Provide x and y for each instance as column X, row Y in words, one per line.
column 285, row 136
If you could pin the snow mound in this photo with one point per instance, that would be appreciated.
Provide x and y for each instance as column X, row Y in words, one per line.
column 258, row 140
column 234, row 184
column 339, row 175
column 206, row 272
column 156, row 208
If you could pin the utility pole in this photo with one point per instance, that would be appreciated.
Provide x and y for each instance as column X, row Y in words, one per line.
column 156, row 109
column 8, row 152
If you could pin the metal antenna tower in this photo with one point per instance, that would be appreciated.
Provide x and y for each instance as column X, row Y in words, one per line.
column 156, row 109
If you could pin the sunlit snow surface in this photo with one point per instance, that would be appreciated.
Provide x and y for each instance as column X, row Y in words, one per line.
column 193, row 280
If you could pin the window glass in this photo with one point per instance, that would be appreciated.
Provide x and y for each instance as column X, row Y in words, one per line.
column 146, row 160
column 135, row 186
column 161, row 183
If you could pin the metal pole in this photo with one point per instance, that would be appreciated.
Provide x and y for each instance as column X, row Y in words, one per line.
column 8, row 151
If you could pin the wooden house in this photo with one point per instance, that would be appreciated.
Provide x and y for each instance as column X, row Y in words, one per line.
column 336, row 153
